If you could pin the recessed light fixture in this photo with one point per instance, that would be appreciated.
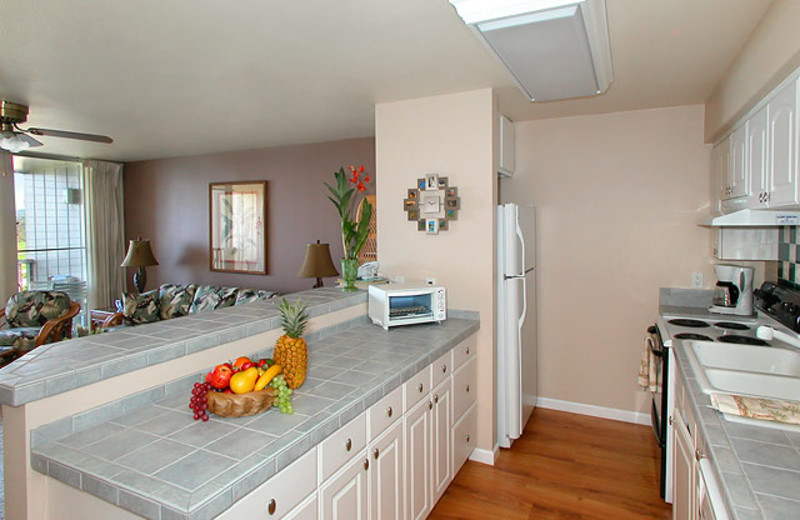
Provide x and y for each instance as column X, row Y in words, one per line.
column 554, row 49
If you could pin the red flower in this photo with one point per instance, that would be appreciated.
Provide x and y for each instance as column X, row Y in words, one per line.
column 361, row 186
column 361, row 169
column 366, row 179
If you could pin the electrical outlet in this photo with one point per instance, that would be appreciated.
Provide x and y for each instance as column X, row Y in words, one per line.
column 697, row 280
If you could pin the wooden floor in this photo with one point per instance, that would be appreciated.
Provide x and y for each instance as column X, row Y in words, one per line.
column 564, row 466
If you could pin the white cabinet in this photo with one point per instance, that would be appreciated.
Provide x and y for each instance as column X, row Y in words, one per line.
column 417, row 427
column 684, row 494
column 345, row 495
column 441, row 449
column 278, row 496
column 757, row 158
column 507, row 162
column 307, row 510
column 386, row 497
column 737, row 172
column 782, row 127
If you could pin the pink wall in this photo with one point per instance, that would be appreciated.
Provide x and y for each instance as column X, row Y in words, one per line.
column 166, row 201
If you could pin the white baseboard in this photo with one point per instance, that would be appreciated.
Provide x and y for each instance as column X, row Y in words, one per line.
column 485, row 456
column 595, row 411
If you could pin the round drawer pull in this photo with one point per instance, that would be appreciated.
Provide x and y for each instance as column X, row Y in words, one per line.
column 389, row 412
column 420, row 387
column 467, row 388
column 366, row 464
column 376, row 453
column 467, row 438
column 467, row 351
column 430, row 405
column 348, row 444
column 436, row 398
column 272, row 506
column 698, row 455
column 444, row 369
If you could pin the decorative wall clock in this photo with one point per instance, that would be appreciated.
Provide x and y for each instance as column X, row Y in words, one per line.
column 432, row 204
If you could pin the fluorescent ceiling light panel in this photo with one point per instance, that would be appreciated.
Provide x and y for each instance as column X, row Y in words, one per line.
column 554, row 49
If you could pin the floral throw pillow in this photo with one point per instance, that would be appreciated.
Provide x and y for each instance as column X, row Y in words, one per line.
column 34, row 308
column 141, row 308
column 209, row 298
column 175, row 300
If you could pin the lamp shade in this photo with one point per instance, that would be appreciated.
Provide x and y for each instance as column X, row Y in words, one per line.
column 318, row 263
column 139, row 254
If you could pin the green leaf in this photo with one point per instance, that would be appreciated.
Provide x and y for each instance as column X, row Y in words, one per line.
column 363, row 228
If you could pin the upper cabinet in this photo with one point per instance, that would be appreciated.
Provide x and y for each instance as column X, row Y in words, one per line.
column 781, row 133
column 756, row 165
column 507, row 152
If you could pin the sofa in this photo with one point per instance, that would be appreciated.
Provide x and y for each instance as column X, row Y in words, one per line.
column 173, row 301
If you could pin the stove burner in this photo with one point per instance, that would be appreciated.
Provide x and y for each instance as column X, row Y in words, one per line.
column 731, row 325
column 684, row 322
column 742, row 340
column 692, row 335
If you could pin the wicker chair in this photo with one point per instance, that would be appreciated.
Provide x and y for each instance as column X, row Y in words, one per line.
column 32, row 318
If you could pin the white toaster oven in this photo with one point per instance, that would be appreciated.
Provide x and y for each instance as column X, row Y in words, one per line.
column 406, row 303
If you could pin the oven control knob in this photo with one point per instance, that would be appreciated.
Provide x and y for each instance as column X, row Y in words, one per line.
column 792, row 309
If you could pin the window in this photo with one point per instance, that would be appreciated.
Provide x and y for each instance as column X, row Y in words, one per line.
column 51, row 244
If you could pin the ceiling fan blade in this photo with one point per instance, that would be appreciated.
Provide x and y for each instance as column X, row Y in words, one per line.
column 46, row 132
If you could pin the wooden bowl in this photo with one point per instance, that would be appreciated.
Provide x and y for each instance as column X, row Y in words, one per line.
column 240, row 405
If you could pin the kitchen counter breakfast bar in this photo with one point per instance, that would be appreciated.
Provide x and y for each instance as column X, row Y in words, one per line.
column 99, row 427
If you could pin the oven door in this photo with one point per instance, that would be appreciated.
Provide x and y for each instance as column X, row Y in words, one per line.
column 658, row 408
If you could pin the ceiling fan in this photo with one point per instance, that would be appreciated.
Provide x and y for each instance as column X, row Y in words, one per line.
column 15, row 139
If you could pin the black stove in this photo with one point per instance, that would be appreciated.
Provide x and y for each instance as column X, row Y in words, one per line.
column 742, row 340
column 781, row 302
column 731, row 325
column 686, row 322
column 692, row 335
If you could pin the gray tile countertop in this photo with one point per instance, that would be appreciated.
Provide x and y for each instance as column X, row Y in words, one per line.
column 58, row 367
column 156, row 461
column 758, row 467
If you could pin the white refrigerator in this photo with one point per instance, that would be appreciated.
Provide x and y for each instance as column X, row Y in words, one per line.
column 516, row 376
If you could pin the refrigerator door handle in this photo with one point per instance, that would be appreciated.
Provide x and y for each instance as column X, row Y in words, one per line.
column 518, row 276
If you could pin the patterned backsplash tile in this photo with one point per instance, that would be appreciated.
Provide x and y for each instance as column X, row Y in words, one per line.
column 789, row 255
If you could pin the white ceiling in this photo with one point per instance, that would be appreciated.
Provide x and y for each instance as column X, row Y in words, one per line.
column 184, row 77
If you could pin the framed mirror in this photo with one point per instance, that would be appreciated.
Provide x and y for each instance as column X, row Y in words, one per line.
column 238, row 218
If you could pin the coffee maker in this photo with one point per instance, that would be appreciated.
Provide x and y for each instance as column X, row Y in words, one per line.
column 733, row 293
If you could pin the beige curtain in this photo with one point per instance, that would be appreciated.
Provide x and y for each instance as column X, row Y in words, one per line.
column 105, row 231
column 8, row 230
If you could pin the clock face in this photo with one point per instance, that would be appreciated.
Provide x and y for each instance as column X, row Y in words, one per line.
column 430, row 205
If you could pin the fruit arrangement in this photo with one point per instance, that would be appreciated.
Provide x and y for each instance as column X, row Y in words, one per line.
column 243, row 387
column 291, row 351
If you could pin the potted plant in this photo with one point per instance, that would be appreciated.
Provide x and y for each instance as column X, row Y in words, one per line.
column 345, row 195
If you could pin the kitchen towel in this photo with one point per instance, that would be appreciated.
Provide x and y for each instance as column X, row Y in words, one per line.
column 779, row 410
column 648, row 377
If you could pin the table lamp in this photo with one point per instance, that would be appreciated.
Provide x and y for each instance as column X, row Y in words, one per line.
column 317, row 263
column 139, row 255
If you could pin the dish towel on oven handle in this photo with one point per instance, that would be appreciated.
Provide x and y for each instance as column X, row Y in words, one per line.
column 779, row 410
column 648, row 376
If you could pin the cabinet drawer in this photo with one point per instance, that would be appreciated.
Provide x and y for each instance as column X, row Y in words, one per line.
column 441, row 368
column 384, row 413
column 464, row 433
column 465, row 351
column 308, row 510
column 277, row 497
column 464, row 390
column 340, row 447
column 416, row 388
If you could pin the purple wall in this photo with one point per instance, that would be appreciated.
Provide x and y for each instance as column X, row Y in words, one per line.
column 166, row 201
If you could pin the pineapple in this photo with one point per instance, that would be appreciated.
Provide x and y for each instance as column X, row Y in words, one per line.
column 290, row 349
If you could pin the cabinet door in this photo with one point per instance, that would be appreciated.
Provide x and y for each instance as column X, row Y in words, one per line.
column 738, row 164
column 345, row 495
column 782, row 124
column 441, row 454
column 386, row 475
column 417, row 426
column 721, row 154
column 684, row 493
column 757, row 158
column 308, row 510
